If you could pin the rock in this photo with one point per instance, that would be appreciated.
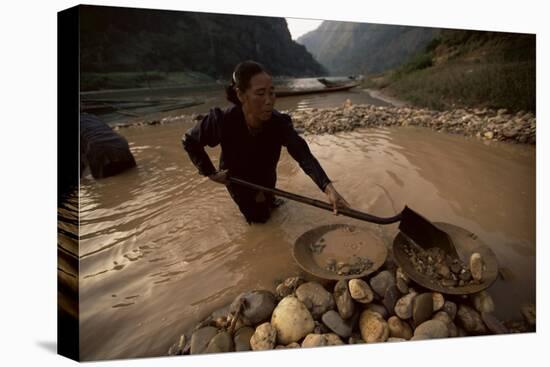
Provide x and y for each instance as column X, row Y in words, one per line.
column 320, row 340
column 450, row 308
column 443, row 270
column 381, row 282
column 438, row 301
column 320, row 328
column 221, row 343
column 264, row 338
column 289, row 286
column 333, row 339
column 402, row 286
column 355, row 339
column 470, row 320
column 381, row 310
column 476, row 266
column 257, row 306
column 292, row 320
column 404, row 306
column 242, row 338
column 529, row 314
column 488, row 134
column 431, row 329
column 360, row 291
column 293, row 345
column 493, row 324
column 335, row 323
column 399, row 328
column 390, row 298
column 483, row 302
column 422, row 308
column 178, row 348
column 343, row 300
column 451, row 327
column 315, row 298
column 201, row 338
column 373, row 327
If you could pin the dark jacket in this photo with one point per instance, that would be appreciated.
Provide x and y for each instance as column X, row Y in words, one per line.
column 251, row 157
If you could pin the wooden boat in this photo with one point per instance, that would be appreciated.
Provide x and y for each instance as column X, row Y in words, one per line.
column 288, row 93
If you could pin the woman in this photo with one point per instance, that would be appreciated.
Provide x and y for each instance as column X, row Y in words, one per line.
column 251, row 134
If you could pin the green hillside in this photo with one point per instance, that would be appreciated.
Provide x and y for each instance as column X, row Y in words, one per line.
column 470, row 69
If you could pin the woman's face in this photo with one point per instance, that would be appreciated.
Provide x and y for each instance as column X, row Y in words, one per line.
column 259, row 98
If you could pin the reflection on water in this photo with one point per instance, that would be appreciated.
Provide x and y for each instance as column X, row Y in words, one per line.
column 162, row 247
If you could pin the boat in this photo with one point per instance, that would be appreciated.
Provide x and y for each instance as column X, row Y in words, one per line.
column 299, row 92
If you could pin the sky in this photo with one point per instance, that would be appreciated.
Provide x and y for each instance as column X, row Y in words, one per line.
column 299, row 27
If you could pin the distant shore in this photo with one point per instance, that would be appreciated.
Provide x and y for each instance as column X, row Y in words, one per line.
column 485, row 124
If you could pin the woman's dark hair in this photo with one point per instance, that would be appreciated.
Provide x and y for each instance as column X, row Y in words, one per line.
column 244, row 71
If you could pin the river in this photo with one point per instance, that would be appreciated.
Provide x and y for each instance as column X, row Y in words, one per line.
column 162, row 247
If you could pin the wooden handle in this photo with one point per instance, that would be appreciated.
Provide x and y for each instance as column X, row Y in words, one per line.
column 348, row 212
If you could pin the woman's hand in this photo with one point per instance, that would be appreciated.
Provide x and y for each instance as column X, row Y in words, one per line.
column 335, row 198
column 219, row 177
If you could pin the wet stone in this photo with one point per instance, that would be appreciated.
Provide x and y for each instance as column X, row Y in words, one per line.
column 438, row 301
column 336, row 324
column 431, row 329
column 288, row 286
column 242, row 339
column 256, row 308
column 494, row 325
column 422, row 308
column 343, row 300
column 390, row 298
column 360, row 291
column 201, row 338
column 381, row 310
column 451, row 327
column 178, row 348
column 314, row 296
column 399, row 328
column 450, row 308
column 483, row 302
column 402, row 286
column 264, row 337
column 476, row 266
column 392, row 339
column 381, row 282
column 470, row 320
column 404, row 306
column 373, row 327
column 221, row 343
column 292, row 320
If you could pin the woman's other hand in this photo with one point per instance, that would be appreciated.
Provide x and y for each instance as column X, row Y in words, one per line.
column 335, row 198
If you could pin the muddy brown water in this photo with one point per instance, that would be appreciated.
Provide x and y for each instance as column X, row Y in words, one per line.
column 162, row 247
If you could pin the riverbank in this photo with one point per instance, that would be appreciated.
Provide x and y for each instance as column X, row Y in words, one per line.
column 485, row 124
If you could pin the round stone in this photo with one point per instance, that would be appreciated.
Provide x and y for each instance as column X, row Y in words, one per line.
column 360, row 291
column 476, row 266
column 343, row 300
column 470, row 320
column 381, row 282
column 431, row 329
column 483, row 302
column 242, row 338
column 335, row 323
column 264, row 337
column 399, row 328
column 220, row 343
column 422, row 308
column 314, row 296
column 404, row 306
column 292, row 320
column 201, row 338
column 373, row 327
column 438, row 301
column 256, row 308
